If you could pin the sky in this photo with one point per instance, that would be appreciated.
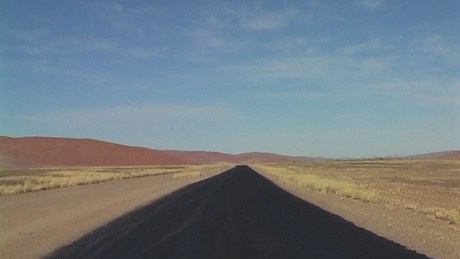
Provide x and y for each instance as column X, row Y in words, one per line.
column 339, row 79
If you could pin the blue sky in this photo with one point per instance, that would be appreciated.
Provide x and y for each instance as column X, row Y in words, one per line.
column 338, row 79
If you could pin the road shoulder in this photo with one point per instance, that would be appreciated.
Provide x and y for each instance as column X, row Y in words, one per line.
column 34, row 224
column 432, row 237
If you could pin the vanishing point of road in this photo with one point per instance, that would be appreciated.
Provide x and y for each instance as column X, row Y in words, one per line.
column 236, row 214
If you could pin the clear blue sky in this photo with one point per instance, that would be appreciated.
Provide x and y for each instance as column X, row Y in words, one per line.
column 317, row 78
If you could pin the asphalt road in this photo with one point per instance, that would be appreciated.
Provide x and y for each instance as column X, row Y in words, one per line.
column 236, row 214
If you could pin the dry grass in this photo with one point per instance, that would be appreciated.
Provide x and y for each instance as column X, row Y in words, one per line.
column 21, row 181
column 299, row 178
column 431, row 187
column 187, row 175
column 199, row 170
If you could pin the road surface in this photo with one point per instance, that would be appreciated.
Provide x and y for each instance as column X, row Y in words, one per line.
column 236, row 214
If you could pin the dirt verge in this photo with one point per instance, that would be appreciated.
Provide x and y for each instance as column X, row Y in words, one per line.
column 34, row 224
column 433, row 237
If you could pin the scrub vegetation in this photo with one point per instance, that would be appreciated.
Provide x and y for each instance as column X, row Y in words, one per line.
column 431, row 187
column 186, row 175
column 21, row 181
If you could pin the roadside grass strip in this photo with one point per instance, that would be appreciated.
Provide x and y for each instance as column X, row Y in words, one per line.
column 309, row 179
column 323, row 184
column 30, row 180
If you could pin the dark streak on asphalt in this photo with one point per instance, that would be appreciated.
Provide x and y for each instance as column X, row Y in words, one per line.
column 236, row 214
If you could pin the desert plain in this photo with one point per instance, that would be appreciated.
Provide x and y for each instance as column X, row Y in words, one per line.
column 34, row 223
column 414, row 202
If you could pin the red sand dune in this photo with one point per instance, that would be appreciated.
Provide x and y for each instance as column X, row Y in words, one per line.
column 56, row 152
column 210, row 157
column 454, row 154
column 60, row 152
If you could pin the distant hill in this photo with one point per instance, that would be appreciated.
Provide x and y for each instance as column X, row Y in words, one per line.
column 60, row 152
column 28, row 152
column 454, row 154
column 254, row 157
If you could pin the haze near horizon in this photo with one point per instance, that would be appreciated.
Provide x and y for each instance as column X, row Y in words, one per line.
column 356, row 78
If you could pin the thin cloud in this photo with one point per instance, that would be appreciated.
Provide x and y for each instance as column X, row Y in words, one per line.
column 316, row 66
column 302, row 95
column 49, row 68
column 205, row 38
column 252, row 18
column 437, row 45
column 269, row 20
column 140, row 115
column 57, row 45
column 122, row 17
column 143, row 53
column 363, row 47
column 370, row 4
column 427, row 91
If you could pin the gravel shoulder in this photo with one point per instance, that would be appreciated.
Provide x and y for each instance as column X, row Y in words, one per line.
column 34, row 224
column 433, row 237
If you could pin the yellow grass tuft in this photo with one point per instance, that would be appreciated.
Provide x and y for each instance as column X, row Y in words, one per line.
column 311, row 181
column 451, row 215
column 30, row 180
column 187, row 175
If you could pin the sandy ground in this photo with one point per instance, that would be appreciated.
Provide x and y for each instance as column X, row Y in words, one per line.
column 34, row 224
column 433, row 237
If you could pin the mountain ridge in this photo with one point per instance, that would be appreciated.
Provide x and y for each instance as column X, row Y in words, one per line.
column 39, row 152
column 30, row 152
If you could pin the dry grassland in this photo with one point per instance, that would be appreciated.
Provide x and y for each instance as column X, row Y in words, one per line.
column 21, row 181
column 187, row 175
column 430, row 187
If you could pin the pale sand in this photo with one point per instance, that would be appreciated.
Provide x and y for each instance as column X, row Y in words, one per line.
column 35, row 224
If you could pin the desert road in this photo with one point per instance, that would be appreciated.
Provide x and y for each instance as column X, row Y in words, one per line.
column 236, row 214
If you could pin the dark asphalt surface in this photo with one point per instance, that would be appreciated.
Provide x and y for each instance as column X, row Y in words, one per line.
column 236, row 214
